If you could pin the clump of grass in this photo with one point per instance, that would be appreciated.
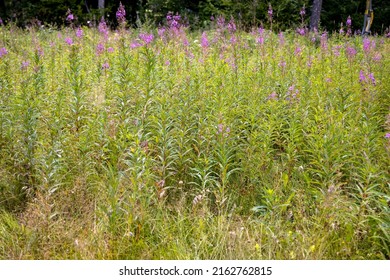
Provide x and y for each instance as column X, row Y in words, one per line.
column 180, row 145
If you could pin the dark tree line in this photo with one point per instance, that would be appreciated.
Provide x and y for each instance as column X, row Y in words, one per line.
column 327, row 14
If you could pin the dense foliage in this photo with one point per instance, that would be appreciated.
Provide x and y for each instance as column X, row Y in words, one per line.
column 169, row 144
column 198, row 12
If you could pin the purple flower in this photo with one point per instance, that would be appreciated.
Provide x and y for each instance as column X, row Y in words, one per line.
column 110, row 50
column 105, row 66
column 121, row 13
column 282, row 64
column 292, row 91
column 135, row 45
column 351, row 52
column 349, row 21
column 341, row 32
column 220, row 128
column 281, row 39
column 371, row 76
column 270, row 11
column 99, row 49
column 79, row 33
column 173, row 20
column 204, row 42
column 324, row 41
column 161, row 31
column 336, row 50
column 366, row 45
column 40, row 52
column 1, row 21
column 273, row 96
column 221, row 22
column 232, row 26
column 146, row 38
column 301, row 31
column 167, row 63
column 103, row 28
column 302, row 11
column 69, row 16
column 298, row 51
column 69, row 41
column 25, row 64
column 233, row 40
column 377, row 57
column 3, row 52
column 362, row 77
column 387, row 136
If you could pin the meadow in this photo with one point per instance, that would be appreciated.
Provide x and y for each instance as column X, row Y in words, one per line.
column 176, row 144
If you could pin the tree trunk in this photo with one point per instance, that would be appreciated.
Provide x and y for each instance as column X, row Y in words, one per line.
column 101, row 7
column 315, row 14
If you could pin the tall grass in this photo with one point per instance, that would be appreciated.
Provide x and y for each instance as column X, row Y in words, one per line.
column 221, row 145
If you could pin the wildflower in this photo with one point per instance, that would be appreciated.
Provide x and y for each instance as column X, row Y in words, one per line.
column 349, row 24
column 372, row 78
column 281, row 39
column 79, row 33
column 146, row 38
column 121, row 14
column 260, row 39
column 362, row 77
column 298, row 51
column 282, row 64
column 69, row 16
column 273, row 96
column 233, row 40
column 69, row 41
column 270, row 12
column 366, row 45
column 351, row 52
column 1, row 21
column 99, row 49
column 387, row 136
column 302, row 12
column 221, row 22
column 324, row 41
column 349, row 21
column 25, row 64
column 220, row 128
column 377, row 57
column 40, row 52
column 167, row 63
column 301, row 31
column 161, row 31
column 341, row 29
column 103, row 28
column 232, row 26
column 3, row 52
column 135, row 45
column 204, row 42
column 309, row 62
column 173, row 21
column 336, row 50
column 110, row 50
column 105, row 66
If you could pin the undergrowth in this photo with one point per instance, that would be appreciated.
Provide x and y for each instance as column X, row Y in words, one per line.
column 138, row 144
